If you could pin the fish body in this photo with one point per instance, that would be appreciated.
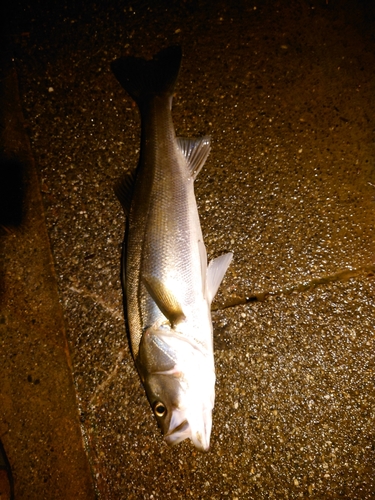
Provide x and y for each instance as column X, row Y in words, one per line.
column 167, row 283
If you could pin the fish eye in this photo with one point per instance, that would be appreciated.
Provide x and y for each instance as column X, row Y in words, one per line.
column 159, row 409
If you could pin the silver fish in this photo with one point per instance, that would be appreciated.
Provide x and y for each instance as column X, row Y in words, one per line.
column 167, row 283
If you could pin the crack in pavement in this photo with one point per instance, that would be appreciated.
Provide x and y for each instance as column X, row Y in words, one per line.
column 343, row 275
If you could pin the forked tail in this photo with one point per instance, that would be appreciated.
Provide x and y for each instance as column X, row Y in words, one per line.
column 144, row 79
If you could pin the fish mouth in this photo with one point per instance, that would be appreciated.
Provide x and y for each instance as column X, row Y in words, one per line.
column 182, row 431
column 178, row 434
column 180, row 428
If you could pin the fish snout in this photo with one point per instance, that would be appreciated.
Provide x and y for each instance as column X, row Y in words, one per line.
column 195, row 427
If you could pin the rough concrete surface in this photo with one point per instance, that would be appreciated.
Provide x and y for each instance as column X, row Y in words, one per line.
column 286, row 90
column 39, row 422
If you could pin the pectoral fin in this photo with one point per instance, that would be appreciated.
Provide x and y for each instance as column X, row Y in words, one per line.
column 165, row 300
column 215, row 274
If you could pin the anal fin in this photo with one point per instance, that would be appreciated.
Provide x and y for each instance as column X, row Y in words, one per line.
column 195, row 152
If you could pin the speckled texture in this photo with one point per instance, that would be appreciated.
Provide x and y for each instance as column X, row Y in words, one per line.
column 39, row 422
column 286, row 90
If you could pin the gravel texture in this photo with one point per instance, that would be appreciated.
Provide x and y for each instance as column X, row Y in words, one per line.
column 286, row 90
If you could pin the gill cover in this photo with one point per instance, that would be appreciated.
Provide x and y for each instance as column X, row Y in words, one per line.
column 179, row 384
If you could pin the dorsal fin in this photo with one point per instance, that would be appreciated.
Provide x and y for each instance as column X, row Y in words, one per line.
column 165, row 300
column 124, row 190
column 195, row 152
column 215, row 274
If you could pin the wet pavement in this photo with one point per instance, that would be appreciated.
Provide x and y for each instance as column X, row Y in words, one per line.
column 286, row 90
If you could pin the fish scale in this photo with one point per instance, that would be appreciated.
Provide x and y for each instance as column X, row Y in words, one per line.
column 167, row 284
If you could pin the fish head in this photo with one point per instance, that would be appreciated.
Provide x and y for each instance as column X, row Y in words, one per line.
column 179, row 380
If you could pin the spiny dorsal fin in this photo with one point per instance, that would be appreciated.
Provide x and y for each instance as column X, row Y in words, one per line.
column 195, row 152
column 215, row 274
column 165, row 300
column 124, row 190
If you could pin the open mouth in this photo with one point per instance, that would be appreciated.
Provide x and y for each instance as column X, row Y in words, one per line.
column 178, row 434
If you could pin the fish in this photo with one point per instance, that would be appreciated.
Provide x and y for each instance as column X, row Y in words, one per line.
column 168, row 285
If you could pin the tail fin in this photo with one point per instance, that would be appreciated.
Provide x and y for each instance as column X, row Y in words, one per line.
column 144, row 79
